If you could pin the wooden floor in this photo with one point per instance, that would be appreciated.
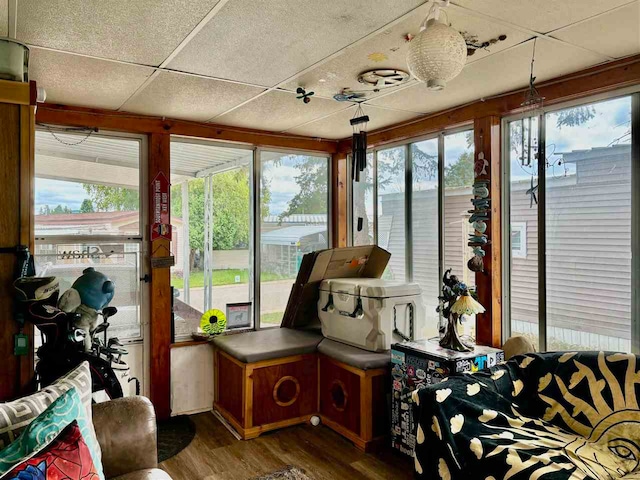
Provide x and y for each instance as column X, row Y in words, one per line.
column 215, row 454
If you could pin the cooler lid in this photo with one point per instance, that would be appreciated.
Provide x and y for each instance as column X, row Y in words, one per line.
column 370, row 287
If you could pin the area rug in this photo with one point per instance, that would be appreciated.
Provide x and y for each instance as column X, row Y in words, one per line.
column 174, row 435
column 287, row 473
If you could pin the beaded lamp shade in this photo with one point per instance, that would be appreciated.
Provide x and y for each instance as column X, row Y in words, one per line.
column 438, row 53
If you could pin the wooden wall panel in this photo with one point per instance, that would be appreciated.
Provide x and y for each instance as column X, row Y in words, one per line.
column 129, row 122
column 160, row 292
column 489, row 282
column 16, row 225
column 10, row 228
column 339, row 200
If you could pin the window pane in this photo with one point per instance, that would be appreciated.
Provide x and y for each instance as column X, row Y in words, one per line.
column 458, row 182
column 391, row 209
column 588, row 224
column 210, row 188
column 120, row 262
column 424, row 202
column 363, row 206
column 523, row 138
column 293, row 221
column 86, row 185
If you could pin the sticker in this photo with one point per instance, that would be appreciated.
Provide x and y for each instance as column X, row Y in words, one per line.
column 421, row 374
column 397, row 357
column 479, row 363
column 396, row 372
column 397, row 385
column 411, row 371
column 404, row 406
column 432, row 365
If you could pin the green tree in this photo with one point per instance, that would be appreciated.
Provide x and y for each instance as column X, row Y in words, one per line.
column 231, row 209
column 45, row 210
column 87, row 206
column 313, row 182
column 460, row 173
column 60, row 209
column 113, row 199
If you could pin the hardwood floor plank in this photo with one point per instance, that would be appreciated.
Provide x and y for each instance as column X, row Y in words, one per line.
column 214, row 454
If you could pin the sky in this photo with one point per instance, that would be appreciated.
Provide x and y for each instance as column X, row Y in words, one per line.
column 58, row 192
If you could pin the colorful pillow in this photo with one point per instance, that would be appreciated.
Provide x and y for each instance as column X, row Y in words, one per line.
column 16, row 415
column 67, row 457
column 46, row 427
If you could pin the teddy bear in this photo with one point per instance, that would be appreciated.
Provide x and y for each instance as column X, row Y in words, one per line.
column 89, row 294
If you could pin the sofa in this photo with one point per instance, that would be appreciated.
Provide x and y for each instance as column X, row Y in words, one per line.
column 551, row 416
column 126, row 432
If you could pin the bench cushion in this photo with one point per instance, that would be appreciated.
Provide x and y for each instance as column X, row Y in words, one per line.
column 267, row 344
column 356, row 357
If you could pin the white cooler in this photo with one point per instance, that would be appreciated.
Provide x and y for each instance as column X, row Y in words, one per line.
column 371, row 313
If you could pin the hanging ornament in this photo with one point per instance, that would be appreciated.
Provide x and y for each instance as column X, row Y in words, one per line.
column 533, row 101
column 359, row 143
column 438, row 53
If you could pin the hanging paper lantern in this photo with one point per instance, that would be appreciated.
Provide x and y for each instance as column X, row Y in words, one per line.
column 438, row 53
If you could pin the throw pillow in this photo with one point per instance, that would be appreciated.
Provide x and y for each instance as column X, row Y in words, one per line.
column 47, row 427
column 67, row 457
column 16, row 415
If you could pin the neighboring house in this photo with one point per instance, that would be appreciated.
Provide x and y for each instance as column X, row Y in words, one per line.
column 588, row 248
column 293, row 233
column 97, row 224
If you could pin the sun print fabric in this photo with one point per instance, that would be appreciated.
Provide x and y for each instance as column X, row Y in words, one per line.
column 553, row 416
column 66, row 458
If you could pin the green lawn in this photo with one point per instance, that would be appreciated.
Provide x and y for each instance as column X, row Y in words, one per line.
column 222, row 277
column 274, row 318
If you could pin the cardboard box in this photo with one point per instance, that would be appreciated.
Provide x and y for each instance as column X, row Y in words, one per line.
column 367, row 261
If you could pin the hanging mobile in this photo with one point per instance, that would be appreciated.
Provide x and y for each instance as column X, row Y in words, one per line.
column 304, row 95
column 359, row 142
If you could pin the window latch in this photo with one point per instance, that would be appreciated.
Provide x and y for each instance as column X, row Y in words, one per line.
column 146, row 278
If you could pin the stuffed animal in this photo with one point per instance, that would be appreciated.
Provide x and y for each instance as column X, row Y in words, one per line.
column 88, row 295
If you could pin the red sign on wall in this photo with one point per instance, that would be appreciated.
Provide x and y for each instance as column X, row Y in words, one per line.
column 160, row 228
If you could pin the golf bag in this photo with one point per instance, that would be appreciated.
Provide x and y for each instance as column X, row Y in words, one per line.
column 63, row 344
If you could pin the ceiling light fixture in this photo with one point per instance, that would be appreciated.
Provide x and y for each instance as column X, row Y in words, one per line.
column 438, row 53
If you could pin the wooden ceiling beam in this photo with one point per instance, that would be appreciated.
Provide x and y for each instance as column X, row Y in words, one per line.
column 129, row 122
column 591, row 81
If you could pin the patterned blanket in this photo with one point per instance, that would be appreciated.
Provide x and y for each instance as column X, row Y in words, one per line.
column 553, row 416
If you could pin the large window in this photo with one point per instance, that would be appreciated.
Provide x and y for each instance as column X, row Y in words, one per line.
column 420, row 219
column 87, row 214
column 570, row 283
column 226, row 200
column 294, row 213
column 391, row 209
column 210, row 214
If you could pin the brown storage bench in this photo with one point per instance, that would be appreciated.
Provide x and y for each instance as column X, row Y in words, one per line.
column 266, row 379
column 353, row 392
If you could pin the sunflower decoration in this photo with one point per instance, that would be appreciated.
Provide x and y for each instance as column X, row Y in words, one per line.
column 213, row 322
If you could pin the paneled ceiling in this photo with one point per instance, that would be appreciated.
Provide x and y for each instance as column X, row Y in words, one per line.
column 239, row 62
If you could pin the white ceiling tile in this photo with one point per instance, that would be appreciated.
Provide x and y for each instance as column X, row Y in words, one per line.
column 541, row 15
column 388, row 50
column 187, row 97
column 4, row 18
column 265, row 43
column 140, row 31
column 499, row 73
column 337, row 126
column 616, row 33
column 76, row 80
column 279, row 111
